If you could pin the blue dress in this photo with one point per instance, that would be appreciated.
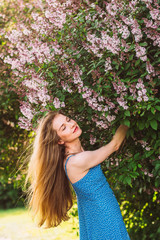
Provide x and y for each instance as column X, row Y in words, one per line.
column 98, row 210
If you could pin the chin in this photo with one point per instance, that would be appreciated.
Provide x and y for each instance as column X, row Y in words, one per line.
column 79, row 132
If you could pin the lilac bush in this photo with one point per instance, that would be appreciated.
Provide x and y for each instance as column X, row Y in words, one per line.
column 99, row 62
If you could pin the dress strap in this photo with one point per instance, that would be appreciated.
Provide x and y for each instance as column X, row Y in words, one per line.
column 66, row 165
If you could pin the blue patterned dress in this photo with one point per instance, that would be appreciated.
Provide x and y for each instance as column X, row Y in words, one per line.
column 98, row 210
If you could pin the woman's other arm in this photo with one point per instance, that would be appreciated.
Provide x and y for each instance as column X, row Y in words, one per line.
column 89, row 159
column 120, row 135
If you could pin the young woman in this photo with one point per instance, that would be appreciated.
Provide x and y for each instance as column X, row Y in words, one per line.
column 59, row 160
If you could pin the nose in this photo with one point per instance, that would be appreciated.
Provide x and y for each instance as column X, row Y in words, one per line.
column 73, row 124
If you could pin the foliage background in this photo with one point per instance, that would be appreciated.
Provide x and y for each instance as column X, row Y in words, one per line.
column 99, row 62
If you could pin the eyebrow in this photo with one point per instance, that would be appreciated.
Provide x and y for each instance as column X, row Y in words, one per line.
column 62, row 124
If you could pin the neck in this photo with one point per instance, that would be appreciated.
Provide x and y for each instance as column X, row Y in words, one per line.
column 73, row 147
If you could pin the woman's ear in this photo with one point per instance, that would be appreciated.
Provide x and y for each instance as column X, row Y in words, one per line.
column 60, row 142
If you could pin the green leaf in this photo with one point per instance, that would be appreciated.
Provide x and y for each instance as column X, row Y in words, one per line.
column 50, row 74
column 158, row 108
column 131, row 56
column 153, row 110
column 130, row 132
column 139, row 165
column 137, row 62
column 131, row 47
column 127, row 66
column 154, row 124
column 141, row 125
column 136, row 156
column 127, row 180
column 126, row 122
column 127, row 113
column 143, row 44
column 157, row 144
column 149, row 153
column 150, row 116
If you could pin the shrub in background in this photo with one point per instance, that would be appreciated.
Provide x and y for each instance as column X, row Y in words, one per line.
column 99, row 61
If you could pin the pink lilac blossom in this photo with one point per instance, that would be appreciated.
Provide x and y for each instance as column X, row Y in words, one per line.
column 146, row 172
column 154, row 35
column 58, row 17
column 110, row 118
column 110, row 43
column 120, row 87
column 136, row 31
column 66, row 87
column 15, row 63
column 57, row 103
column 101, row 124
column 122, row 103
column 2, row 15
column 26, row 110
column 141, row 91
column 140, row 52
column 132, row 4
column 92, row 139
column 57, row 11
column 111, row 8
column 101, row 98
column 108, row 64
column 95, row 41
column 149, row 68
column 41, row 51
column 14, row 36
column 37, row 90
column 132, row 90
column 150, row 24
column 147, row 1
column 144, row 144
column 125, row 31
column 155, row 14
column 32, row 97
column 127, row 20
column 24, row 123
column 125, row 45
column 41, row 25
column 43, row 96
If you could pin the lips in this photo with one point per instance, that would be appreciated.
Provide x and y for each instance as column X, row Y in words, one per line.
column 76, row 128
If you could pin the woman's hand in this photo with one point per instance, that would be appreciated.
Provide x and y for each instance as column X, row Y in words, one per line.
column 120, row 135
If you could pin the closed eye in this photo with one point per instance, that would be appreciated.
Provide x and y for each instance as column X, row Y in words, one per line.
column 68, row 120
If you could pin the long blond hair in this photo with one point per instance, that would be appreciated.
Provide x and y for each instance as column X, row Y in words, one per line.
column 49, row 196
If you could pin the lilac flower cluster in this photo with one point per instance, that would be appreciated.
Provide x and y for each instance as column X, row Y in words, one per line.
column 108, row 64
column 92, row 139
column 30, row 46
column 27, row 111
column 141, row 52
column 57, row 103
column 121, row 89
column 141, row 91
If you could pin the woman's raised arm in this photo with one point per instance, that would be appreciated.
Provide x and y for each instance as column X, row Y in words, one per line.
column 89, row 159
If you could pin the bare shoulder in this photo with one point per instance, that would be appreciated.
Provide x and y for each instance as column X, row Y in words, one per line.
column 75, row 167
column 77, row 160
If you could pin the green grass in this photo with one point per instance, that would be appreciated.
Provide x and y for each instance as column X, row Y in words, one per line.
column 17, row 224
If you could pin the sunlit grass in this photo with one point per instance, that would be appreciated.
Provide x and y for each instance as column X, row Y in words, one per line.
column 17, row 224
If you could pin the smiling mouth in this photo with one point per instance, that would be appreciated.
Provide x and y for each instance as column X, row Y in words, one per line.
column 76, row 128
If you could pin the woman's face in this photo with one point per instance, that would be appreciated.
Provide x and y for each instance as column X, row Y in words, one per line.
column 66, row 128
